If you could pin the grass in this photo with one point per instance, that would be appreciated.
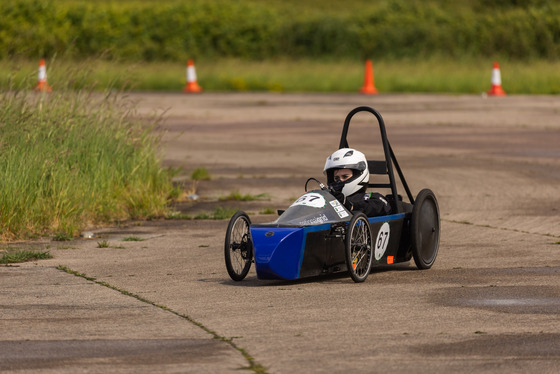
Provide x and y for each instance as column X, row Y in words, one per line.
column 217, row 214
column 431, row 75
column 23, row 256
column 268, row 211
column 236, row 196
column 200, row 174
column 66, row 247
column 62, row 237
column 196, row 176
column 177, row 215
column 133, row 239
column 103, row 244
column 74, row 158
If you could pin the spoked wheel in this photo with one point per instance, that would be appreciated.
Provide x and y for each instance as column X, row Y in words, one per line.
column 424, row 229
column 238, row 246
column 359, row 248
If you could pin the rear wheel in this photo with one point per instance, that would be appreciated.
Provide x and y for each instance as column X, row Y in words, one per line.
column 238, row 248
column 359, row 249
column 425, row 229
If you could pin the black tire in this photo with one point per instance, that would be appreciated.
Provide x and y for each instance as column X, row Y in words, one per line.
column 238, row 248
column 425, row 229
column 359, row 248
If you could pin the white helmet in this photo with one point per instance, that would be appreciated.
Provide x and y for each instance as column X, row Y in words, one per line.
column 348, row 158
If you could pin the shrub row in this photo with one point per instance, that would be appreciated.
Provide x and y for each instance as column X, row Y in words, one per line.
column 176, row 30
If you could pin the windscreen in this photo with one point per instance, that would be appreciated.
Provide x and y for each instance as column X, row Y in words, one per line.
column 314, row 208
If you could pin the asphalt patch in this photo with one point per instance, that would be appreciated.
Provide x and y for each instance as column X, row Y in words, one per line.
column 505, row 299
column 52, row 354
column 503, row 345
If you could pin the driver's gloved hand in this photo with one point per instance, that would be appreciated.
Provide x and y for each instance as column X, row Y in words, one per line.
column 336, row 190
column 339, row 196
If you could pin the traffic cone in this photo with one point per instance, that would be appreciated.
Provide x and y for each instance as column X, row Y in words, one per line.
column 42, row 84
column 369, row 86
column 192, row 85
column 496, row 89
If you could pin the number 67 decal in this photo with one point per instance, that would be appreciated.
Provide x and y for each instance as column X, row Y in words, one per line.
column 311, row 199
column 382, row 240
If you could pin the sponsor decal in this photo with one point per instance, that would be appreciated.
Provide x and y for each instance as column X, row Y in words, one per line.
column 343, row 214
column 382, row 240
column 322, row 218
column 311, row 199
column 339, row 209
column 334, row 203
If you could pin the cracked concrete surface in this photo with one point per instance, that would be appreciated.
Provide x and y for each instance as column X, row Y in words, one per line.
column 489, row 304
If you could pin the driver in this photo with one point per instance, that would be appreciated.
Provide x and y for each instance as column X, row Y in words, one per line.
column 347, row 177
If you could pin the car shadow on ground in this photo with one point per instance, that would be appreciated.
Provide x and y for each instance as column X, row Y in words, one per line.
column 340, row 277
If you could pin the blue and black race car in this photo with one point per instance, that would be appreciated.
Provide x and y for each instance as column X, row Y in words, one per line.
column 318, row 235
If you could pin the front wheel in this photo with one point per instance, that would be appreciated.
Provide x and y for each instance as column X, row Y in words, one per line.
column 238, row 248
column 424, row 229
column 359, row 248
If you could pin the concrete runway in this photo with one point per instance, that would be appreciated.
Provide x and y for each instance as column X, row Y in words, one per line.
column 490, row 303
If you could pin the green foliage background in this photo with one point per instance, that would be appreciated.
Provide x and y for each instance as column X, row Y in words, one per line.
column 149, row 30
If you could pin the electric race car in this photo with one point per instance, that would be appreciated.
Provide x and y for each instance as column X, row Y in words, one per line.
column 318, row 235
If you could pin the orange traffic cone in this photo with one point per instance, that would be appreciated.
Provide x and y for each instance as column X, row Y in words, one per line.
column 496, row 89
column 192, row 85
column 42, row 84
column 369, row 86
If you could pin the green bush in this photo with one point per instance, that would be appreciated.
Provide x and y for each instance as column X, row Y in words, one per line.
column 149, row 30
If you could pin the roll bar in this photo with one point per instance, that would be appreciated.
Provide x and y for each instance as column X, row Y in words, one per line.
column 390, row 158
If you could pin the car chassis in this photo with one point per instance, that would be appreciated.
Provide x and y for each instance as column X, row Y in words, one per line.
column 317, row 235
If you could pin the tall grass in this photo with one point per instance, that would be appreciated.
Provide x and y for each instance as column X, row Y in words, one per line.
column 73, row 158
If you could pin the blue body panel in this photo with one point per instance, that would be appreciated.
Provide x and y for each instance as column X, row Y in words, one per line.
column 279, row 251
